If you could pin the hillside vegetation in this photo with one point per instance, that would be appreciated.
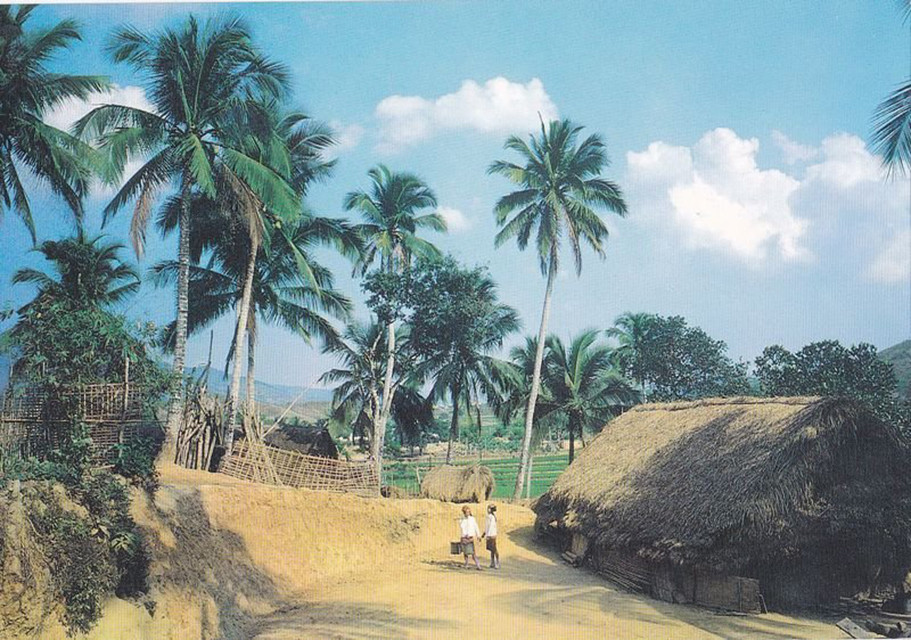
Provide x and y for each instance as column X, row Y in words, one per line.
column 899, row 356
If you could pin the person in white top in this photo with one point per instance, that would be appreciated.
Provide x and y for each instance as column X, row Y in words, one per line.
column 490, row 531
column 470, row 532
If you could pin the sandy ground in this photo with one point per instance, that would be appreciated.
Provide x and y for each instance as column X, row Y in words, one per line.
column 234, row 561
column 533, row 595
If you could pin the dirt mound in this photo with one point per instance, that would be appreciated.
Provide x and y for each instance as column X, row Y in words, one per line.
column 26, row 591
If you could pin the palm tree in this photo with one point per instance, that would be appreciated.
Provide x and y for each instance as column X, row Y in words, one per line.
column 892, row 120
column 391, row 222
column 294, row 143
column 559, row 184
column 460, row 364
column 583, row 384
column 27, row 92
column 280, row 292
column 630, row 332
column 362, row 371
column 89, row 273
column 197, row 79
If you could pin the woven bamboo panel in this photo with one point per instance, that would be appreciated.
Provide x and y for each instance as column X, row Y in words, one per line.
column 270, row 465
column 25, row 439
column 93, row 403
column 34, row 422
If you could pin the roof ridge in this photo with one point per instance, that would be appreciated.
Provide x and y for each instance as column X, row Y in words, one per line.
column 732, row 401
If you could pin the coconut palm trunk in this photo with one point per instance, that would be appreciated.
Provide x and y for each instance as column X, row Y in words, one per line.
column 243, row 314
column 385, row 408
column 453, row 423
column 572, row 438
column 175, row 408
column 251, row 370
column 535, row 382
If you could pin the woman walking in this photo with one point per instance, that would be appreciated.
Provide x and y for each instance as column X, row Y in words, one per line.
column 490, row 531
column 470, row 533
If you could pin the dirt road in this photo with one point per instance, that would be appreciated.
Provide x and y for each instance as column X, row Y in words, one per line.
column 534, row 595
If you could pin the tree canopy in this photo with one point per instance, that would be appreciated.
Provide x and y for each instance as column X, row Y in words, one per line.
column 674, row 361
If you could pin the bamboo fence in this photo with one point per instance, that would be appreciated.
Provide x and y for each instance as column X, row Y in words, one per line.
column 33, row 422
column 259, row 462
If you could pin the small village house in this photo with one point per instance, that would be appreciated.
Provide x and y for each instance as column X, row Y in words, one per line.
column 726, row 502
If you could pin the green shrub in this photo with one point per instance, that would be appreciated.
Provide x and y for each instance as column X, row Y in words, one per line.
column 136, row 462
column 92, row 543
column 83, row 574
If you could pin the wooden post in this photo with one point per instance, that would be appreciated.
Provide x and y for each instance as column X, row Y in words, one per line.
column 531, row 461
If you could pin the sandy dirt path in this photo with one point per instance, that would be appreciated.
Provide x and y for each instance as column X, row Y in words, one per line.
column 534, row 595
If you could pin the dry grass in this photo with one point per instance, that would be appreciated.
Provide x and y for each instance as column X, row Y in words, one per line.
column 458, row 484
column 731, row 484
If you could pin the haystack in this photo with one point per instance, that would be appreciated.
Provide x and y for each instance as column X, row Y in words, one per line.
column 805, row 499
column 458, row 483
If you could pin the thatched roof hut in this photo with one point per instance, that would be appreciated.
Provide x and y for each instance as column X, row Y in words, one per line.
column 810, row 497
column 458, row 483
column 311, row 441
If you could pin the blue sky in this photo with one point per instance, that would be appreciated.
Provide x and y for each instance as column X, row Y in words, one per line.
column 737, row 131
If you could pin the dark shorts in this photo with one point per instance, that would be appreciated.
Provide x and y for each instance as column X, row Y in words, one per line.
column 492, row 544
column 467, row 546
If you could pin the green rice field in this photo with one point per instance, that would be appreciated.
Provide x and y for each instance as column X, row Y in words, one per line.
column 545, row 469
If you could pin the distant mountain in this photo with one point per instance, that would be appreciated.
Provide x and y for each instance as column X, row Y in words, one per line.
column 899, row 356
column 277, row 394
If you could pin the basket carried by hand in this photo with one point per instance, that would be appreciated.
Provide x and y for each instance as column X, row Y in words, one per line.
column 455, row 548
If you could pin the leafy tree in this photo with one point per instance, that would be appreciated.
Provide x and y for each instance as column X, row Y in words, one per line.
column 88, row 272
column 391, row 213
column 892, row 120
column 828, row 368
column 583, row 384
column 456, row 322
column 56, row 343
column 67, row 334
column 629, row 330
column 674, row 361
column 245, row 227
column 281, row 292
column 198, row 79
column 559, row 187
column 27, row 92
column 291, row 146
column 412, row 414
column 356, row 399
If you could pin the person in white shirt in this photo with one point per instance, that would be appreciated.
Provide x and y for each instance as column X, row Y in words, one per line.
column 470, row 532
column 490, row 531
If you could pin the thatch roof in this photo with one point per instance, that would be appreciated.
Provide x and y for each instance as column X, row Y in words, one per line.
column 734, row 483
column 311, row 441
column 458, row 483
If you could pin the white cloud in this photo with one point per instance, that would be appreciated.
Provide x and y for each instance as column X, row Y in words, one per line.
column 893, row 263
column 713, row 196
column 65, row 114
column 846, row 163
column 497, row 106
column 456, row 221
column 347, row 136
column 718, row 197
column 793, row 152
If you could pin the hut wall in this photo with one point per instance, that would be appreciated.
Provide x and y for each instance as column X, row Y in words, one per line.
column 682, row 585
